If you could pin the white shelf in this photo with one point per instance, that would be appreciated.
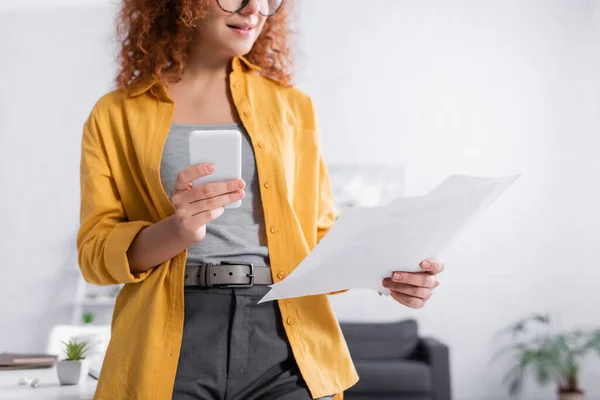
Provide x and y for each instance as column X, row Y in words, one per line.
column 87, row 296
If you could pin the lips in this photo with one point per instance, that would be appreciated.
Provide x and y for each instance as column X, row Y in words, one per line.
column 243, row 27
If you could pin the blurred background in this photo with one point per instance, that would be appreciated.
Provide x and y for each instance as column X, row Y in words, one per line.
column 408, row 92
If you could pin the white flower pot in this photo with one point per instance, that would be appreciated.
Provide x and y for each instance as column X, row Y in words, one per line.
column 72, row 372
column 570, row 396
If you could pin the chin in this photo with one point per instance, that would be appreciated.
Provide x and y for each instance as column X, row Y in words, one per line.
column 239, row 51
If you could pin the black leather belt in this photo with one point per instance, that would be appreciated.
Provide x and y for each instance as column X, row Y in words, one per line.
column 227, row 274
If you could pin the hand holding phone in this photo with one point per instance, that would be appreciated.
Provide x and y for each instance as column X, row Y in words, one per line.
column 195, row 206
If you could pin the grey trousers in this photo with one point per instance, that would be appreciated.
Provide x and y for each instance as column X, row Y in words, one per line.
column 234, row 349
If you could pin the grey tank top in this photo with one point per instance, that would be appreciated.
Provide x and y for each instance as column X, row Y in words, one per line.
column 237, row 235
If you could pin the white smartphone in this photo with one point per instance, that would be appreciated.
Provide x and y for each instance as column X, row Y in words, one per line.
column 222, row 148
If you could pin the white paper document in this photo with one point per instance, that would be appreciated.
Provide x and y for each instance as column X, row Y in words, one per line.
column 365, row 245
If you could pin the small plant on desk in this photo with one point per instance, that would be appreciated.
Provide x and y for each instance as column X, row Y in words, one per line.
column 75, row 367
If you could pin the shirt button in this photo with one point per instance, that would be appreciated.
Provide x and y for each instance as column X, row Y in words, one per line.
column 247, row 113
column 261, row 143
column 267, row 185
column 281, row 275
column 290, row 321
column 236, row 85
column 273, row 229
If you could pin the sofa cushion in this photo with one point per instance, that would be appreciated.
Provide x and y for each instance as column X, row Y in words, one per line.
column 395, row 340
column 423, row 396
column 392, row 377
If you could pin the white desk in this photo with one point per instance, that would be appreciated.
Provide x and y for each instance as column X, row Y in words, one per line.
column 49, row 389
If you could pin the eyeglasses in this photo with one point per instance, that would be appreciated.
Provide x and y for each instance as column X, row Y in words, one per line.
column 267, row 7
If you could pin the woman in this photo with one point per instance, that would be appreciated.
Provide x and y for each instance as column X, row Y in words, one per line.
column 177, row 332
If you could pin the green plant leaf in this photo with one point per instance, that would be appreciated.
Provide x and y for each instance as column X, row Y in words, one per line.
column 542, row 318
column 75, row 350
column 593, row 342
column 547, row 357
column 514, row 380
column 508, row 350
column 88, row 317
column 543, row 376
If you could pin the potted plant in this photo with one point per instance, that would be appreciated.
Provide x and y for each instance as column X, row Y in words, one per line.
column 75, row 366
column 550, row 356
column 88, row 317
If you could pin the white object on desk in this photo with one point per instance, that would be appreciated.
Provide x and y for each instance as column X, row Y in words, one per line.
column 365, row 245
column 97, row 336
column 48, row 386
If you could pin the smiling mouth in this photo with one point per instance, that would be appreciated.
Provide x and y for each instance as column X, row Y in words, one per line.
column 241, row 27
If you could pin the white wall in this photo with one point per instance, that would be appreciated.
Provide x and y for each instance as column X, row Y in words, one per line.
column 483, row 88
column 55, row 63
column 462, row 86
column 49, row 4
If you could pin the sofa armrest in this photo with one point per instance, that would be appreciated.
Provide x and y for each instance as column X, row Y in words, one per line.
column 437, row 355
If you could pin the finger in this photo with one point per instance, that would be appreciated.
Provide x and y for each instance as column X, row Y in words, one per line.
column 213, row 190
column 187, row 176
column 205, row 217
column 192, row 223
column 408, row 301
column 410, row 290
column 432, row 266
column 422, row 279
column 216, row 202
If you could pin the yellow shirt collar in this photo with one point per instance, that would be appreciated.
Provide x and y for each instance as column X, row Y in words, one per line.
column 145, row 84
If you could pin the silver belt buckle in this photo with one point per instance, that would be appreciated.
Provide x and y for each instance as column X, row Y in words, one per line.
column 250, row 275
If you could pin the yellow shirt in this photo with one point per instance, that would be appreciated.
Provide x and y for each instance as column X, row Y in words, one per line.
column 121, row 193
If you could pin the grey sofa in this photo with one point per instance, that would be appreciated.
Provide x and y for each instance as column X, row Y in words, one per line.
column 394, row 363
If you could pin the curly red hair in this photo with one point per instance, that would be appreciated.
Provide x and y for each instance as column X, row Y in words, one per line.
column 155, row 37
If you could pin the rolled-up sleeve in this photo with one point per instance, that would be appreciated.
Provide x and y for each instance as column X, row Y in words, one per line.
column 105, row 234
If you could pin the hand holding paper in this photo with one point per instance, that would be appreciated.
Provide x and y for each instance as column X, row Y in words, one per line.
column 365, row 245
column 413, row 289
